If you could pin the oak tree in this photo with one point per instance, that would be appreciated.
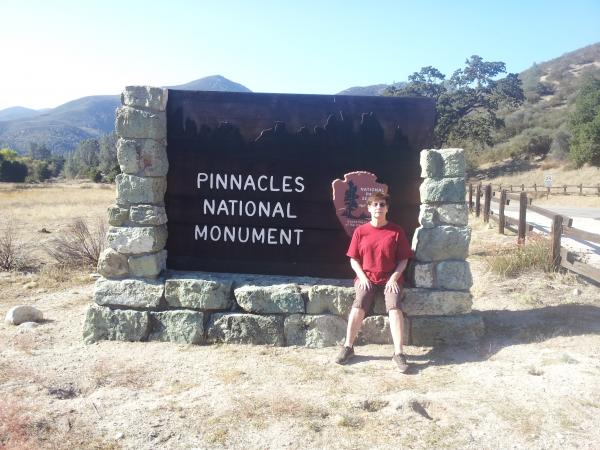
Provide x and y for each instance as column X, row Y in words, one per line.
column 468, row 102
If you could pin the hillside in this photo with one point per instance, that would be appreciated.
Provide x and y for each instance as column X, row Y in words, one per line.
column 63, row 127
column 540, row 124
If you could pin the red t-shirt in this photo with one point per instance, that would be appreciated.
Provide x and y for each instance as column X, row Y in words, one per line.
column 379, row 250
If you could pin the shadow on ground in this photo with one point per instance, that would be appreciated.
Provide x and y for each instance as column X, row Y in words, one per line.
column 504, row 328
column 506, row 168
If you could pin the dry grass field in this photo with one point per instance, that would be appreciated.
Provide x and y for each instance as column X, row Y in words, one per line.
column 55, row 201
column 532, row 382
column 561, row 175
column 39, row 211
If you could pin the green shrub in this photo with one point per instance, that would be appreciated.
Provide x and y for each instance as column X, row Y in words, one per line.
column 544, row 89
column 94, row 174
column 38, row 170
column 12, row 167
column 538, row 145
column 559, row 149
column 111, row 175
column 585, row 125
column 472, row 162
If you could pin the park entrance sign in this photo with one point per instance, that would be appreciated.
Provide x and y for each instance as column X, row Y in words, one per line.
column 225, row 198
column 249, row 187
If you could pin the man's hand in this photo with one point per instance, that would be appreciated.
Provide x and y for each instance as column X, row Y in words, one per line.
column 392, row 286
column 364, row 283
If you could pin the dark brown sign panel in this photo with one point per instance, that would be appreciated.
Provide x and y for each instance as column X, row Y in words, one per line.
column 249, row 187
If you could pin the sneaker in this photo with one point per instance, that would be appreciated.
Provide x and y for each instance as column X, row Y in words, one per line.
column 345, row 355
column 400, row 361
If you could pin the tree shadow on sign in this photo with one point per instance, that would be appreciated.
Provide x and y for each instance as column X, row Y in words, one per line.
column 505, row 168
column 504, row 328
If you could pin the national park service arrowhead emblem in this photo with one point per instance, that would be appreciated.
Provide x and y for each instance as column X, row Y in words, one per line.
column 350, row 198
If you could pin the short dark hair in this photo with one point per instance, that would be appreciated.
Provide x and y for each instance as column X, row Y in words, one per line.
column 378, row 196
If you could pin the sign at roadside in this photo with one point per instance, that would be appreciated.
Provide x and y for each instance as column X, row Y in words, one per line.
column 548, row 181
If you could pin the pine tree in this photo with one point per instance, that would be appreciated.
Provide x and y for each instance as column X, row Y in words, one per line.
column 350, row 199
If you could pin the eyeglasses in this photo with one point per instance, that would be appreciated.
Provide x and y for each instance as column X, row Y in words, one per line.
column 380, row 204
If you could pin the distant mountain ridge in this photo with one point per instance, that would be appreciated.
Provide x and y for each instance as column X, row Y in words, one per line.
column 550, row 88
column 212, row 83
column 19, row 112
column 63, row 127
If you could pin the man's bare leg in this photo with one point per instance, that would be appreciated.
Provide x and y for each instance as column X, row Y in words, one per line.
column 396, row 325
column 354, row 323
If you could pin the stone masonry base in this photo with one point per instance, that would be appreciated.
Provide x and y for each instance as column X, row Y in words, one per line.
column 203, row 308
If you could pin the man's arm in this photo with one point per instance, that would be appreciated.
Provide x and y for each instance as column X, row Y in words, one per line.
column 392, row 284
column 363, row 281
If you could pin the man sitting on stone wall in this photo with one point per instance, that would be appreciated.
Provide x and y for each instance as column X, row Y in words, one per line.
column 379, row 252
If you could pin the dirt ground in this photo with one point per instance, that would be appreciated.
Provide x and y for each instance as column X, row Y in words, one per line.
column 532, row 382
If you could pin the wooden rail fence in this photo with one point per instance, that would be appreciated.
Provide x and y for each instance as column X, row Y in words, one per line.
column 561, row 225
column 563, row 189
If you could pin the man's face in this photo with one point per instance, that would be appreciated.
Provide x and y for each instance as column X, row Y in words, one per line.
column 377, row 208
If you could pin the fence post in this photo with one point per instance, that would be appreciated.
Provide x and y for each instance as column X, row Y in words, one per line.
column 487, row 203
column 535, row 187
column 547, row 193
column 565, row 189
column 522, row 187
column 478, row 200
column 522, row 217
column 555, row 234
column 471, row 197
column 501, row 219
column 581, row 189
column 511, row 188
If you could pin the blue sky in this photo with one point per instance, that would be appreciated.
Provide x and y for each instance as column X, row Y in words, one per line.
column 57, row 51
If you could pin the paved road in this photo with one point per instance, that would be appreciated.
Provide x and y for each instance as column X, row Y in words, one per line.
column 589, row 213
column 587, row 219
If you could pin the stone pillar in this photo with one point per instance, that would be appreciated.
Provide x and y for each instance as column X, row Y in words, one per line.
column 138, row 232
column 135, row 256
column 441, row 246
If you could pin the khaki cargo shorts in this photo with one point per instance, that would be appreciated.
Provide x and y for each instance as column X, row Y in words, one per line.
column 365, row 298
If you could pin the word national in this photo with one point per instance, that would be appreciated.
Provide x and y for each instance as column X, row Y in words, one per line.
column 248, row 208
column 263, row 183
